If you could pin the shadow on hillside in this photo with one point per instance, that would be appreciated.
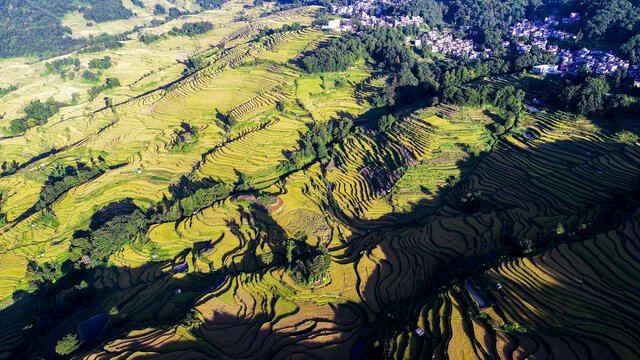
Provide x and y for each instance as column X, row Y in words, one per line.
column 540, row 203
column 148, row 296
column 156, row 294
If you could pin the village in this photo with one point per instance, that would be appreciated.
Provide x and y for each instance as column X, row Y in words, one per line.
column 524, row 36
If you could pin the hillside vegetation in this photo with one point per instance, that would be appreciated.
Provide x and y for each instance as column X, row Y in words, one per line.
column 236, row 183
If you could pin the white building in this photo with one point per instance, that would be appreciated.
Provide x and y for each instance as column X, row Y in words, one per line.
column 333, row 24
column 544, row 69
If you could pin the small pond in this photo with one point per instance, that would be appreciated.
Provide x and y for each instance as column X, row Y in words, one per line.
column 92, row 328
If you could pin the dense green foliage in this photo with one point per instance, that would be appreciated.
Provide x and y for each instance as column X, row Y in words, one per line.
column 193, row 64
column 102, row 42
column 591, row 97
column 60, row 66
column 313, row 143
column 586, row 98
column 90, row 77
column 9, row 167
column 8, row 89
column 489, row 17
column 507, row 98
column 210, row 4
column 159, row 10
column 613, row 20
column 67, row 344
column 64, row 178
column 107, row 10
column 386, row 122
column 631, row 49
column 149, row 38
column 37, row 113
column 100, row 64
column 307, row 265
column 534, row 57
column 191, row 29
column 110, row 83
column 110, row 237
column 33, row 27
column 187, row 29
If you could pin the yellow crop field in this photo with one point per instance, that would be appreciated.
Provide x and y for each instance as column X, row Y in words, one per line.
column 218, row 194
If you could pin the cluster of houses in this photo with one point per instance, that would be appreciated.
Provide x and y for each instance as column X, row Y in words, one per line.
column 444, row 43
column 598, row 61
column 369, row 12
column 539, row 32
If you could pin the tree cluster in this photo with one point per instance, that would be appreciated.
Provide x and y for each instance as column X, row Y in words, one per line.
column 159, row 10
column 106, row 10
column 9, row 167
column 110, row 83
column 8, row 89
column 63, row 178
column 102, row 42
column 631, row 49
column 189, row 198
column 102, row 242
column 313, row 143
column 34, row 27
column 149, row 38
column 210, row 4
column 591, row 97
column 90, row 77
column 193, row 64
column 191, row 29
column 36, row 113
column 507, row 98
column 60, row 66
column 430, row 10
column 307, row 265
column 286, row 27
column 100, row 64
column 587, row 98
column 385, row 123
column 534, row 57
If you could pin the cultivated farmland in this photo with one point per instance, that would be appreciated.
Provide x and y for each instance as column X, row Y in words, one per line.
column 519, row 245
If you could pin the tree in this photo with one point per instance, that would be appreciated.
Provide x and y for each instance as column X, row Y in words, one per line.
column 68, row 344
column 385, row 122
column 244, row 182
column 101, row 64
column 289, row 246
column 586, row 98
column 266, row 258
column 107, row 10
column 159, row 10
column 631, row 49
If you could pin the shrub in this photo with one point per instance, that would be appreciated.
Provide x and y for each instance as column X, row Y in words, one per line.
column 266, row 258
column 159, row 10
column 67, row 344
column 101, row 64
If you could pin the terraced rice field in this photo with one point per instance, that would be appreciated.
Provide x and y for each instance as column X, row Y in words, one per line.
column 407, row 251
